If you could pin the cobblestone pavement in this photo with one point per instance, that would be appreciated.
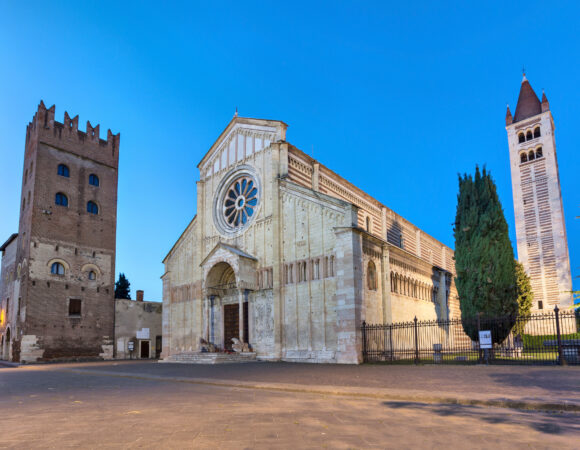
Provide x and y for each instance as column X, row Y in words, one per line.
column 50, row 407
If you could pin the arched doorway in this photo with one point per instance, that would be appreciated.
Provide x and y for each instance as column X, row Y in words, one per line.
column 226, row 307
column 7, row 346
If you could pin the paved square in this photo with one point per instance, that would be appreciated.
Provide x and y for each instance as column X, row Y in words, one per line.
column 56, row 406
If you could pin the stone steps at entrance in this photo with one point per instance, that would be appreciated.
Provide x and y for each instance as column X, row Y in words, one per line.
column 209, row 358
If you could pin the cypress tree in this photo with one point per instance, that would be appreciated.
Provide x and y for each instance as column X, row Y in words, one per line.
column 484, row 258
column 122, row 287
column 525, row 298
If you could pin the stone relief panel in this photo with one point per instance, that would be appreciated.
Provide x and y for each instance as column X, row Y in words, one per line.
column 262, row 334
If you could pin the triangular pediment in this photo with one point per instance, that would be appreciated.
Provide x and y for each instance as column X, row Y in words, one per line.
column 228, row 251
column 242, row 138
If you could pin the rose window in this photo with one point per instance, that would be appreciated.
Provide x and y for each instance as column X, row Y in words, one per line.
column 240, row 202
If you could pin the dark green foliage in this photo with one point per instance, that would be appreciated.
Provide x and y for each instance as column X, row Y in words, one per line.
column 525, row 298
column 484, row 258
column 122, row 287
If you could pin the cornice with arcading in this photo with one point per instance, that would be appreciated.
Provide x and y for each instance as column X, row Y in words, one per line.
column 345, row 193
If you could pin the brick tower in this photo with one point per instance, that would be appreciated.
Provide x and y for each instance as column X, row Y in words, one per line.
column 540, row 227
column 64, row 290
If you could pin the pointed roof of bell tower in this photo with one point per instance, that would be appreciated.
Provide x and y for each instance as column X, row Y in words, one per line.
column 528, row 102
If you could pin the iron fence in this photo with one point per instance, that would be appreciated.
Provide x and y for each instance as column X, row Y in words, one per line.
column 549, row 338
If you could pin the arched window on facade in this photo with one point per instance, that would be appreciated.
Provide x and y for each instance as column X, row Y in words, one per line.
column 316, row 274
column 529, row 135
column 523, row 158
column 537, row 132
column 539, row 152
column 368, row 224
column 92, row 208
column 57, row 268
column 372, row 276
column 331, row 266
column 92, row 275
column 63, row 171
column 93, row 180
column 60, row 199
column 521, row 138
column 531, row 156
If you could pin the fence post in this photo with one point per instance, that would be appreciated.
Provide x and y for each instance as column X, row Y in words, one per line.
column 479, row 343
column 560, row 356
column 364, row 339
column 416, row 343
column 391, row 342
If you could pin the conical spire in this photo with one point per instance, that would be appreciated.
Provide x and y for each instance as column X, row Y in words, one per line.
column 545, row 103
column 528, row 102
column 508, row 116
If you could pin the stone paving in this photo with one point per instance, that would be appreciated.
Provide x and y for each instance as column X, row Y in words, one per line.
column 550, row 385
column 52, row 407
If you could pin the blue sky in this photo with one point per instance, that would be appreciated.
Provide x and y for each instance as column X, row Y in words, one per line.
column 397, row 97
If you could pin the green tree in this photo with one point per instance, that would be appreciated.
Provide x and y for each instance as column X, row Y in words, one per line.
column 122, row 287
column 525, row 298
column 484, row 258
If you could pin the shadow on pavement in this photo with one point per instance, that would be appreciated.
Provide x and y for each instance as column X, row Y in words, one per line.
column 548, row 423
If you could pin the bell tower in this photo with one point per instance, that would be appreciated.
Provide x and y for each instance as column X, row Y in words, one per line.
column 540, row 228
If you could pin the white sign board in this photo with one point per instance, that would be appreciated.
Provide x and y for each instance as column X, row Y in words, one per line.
column 143, row 333
column 485, row 339
column 130, row 346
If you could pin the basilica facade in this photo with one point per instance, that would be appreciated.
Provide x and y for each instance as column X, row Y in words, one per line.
column 287, row 256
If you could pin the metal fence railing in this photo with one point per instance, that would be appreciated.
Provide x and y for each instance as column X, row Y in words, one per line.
column 549, row 338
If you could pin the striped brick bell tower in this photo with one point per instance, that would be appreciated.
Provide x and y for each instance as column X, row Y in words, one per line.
column 539, row 215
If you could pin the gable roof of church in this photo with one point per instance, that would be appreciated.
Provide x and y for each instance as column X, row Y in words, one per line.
column 242, row 120
column 528, row 102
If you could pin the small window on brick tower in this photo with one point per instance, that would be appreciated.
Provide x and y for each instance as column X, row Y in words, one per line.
column 539, row 153
column 529, row 135
column 61, row 199
column 523, row 158
column 92, row 208
column 537, row 132
column 93, row 180
column 531, row 156
column 63, row 171
column 57, row 269
column 540, row 304
column 74, row 307
column 521, row 138
column 92, row 275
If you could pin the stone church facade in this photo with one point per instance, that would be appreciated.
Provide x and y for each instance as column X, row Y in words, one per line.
column 286, row 255
column 539, row 215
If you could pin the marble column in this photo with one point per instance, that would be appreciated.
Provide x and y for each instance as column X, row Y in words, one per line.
column 241, row 315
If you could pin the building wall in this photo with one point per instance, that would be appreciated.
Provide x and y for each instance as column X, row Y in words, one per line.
column 303, row 263
column 133, row 321
column 9, row 300
column 82, row 242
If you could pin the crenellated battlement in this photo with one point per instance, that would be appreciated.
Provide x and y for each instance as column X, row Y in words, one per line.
column 67, row 136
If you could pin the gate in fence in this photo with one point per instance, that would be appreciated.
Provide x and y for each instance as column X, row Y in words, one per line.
column 550, row 338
